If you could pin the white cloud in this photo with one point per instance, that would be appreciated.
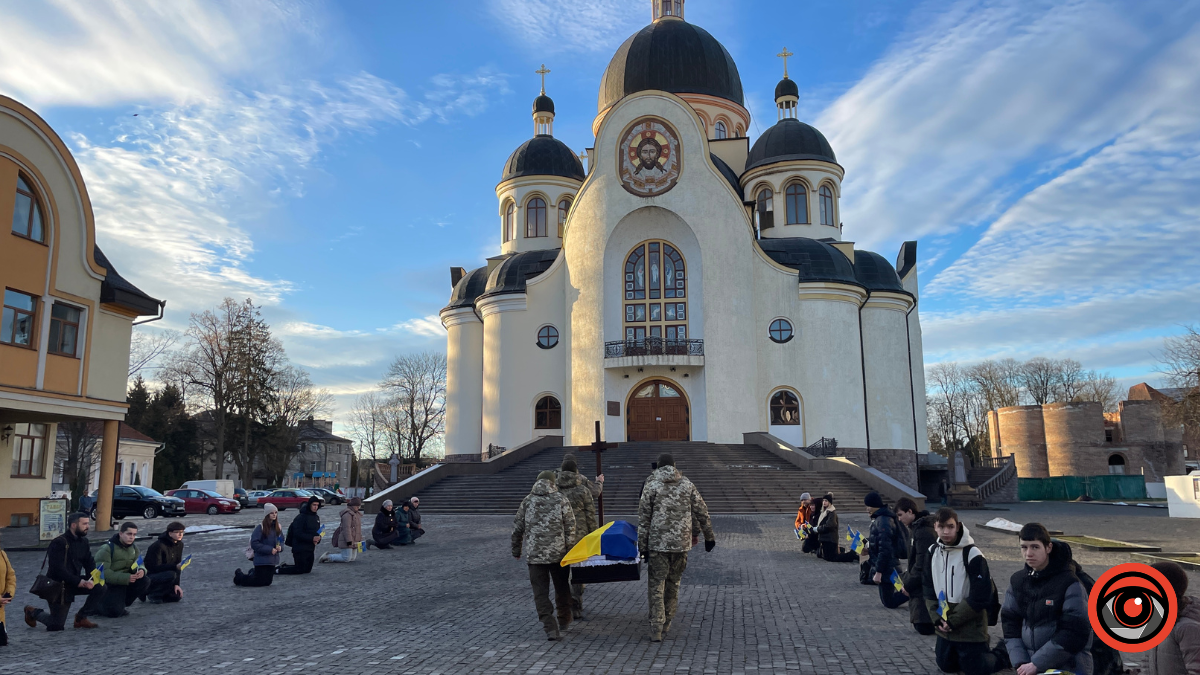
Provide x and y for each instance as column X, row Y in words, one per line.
column 429, row 326
column 555, row 26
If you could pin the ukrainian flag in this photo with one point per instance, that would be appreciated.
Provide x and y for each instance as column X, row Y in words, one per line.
column 186, row 561
column 136, row 564
column 98, row 575
column 359, row 546
column 616, row 540
column 896, row 582
column 943, row 606
column 321, row 530
column 855, row 538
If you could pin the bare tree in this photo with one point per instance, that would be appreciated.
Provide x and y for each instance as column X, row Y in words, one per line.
column 145, row 347
column 1181, row 365
column 1071, row 380
column 1100, row 388
column 1039, row 377
column 416, row 388
column 294, row 399
column 369, row 424
column 77, row 451
column 999, row 382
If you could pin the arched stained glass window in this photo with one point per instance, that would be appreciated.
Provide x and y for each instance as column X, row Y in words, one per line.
column 785, row 408
column 655, row 271
column 547, row 414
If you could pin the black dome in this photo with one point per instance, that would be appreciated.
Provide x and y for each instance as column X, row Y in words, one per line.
column 876, row 273
column 672, row 56
column 468, row 288
column 543, row 103
column 815, row 260
column 543, row 156
column 787, row 140
column 510, row 275
column 786, row 87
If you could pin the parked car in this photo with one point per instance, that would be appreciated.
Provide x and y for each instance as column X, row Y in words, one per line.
column 224, row 488
column 139, row 500
column 288, row 498
column 328, row 496
column 206, row 501
column 246, row 499
column 256, row 495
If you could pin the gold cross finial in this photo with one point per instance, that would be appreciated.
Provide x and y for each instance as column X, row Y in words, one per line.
column 783, row 55
column 543, row 71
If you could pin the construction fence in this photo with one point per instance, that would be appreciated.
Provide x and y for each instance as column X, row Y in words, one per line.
column 1066, row 488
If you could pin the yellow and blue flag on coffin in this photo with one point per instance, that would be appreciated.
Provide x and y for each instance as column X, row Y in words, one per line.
column 856, row 541
column 943, row 606
column 897, row 583
column 137, row 565
column 186, row 561
column 98, row 575
column 615, row 540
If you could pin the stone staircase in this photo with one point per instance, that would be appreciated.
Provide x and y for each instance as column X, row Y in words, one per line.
column 731, row 478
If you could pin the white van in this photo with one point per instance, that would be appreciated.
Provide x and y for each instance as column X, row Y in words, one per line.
column 225, row 488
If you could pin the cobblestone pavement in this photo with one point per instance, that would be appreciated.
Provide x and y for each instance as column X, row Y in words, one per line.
column 458, row 603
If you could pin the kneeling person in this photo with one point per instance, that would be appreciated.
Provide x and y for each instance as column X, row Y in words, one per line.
column 962, row 633
column 164, row 562
column 122, row 584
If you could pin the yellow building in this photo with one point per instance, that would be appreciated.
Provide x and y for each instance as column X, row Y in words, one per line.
column 67, row 314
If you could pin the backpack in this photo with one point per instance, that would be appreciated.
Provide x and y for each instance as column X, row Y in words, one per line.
column 993, row 608
column 1105, row 659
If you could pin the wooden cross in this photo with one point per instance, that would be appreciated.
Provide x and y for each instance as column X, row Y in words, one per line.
column 784, row 55
column 543, row 71
column 599, row 447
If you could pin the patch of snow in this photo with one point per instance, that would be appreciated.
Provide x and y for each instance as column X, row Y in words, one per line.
column 198, row 529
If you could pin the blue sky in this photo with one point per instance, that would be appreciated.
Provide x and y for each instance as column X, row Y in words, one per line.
column 332, row 160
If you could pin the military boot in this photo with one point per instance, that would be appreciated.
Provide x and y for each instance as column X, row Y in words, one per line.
column 656, row 633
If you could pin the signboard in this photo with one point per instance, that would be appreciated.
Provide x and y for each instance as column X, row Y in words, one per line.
column 1196, row 488
column 52, row 518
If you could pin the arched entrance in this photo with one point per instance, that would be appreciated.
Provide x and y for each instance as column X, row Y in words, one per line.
column 657, row 411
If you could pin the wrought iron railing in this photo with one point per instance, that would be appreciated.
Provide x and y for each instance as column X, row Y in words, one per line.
column 653, row 346
column 991, row 462
column 826, row 447
column 1008, row 470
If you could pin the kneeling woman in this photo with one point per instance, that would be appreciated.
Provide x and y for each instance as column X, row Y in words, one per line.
column 266, row 543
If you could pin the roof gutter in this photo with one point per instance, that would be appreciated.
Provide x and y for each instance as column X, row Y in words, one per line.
column 162, row 307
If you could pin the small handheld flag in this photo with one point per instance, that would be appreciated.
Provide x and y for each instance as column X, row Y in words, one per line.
column 896, row 582
column 798, row 531
column 137, row 564
column 855, row 538
column 186, row 561
column 98, row 575
column 943, row 606
column 359, row 546
column 321, row 531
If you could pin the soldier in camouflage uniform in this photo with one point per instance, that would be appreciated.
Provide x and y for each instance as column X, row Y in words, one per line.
column 670, row 510
column 574, row 487
column 547, row 521
column 594, row 486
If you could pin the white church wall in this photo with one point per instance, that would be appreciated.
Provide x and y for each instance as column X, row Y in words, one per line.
column 464, row 381
column 885, row 355
column 519, row 191
column 917, row 356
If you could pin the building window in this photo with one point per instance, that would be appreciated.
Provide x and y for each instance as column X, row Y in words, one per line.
column 827, row 206
column 547, row 337
column 29, row 451
column 535, row 218
column 27, row 216
column 785, row 408
column 720, row 132
column 764, row 209
column 655, row 271
column 509, row 214
column 64, row 329
column 737, row 133
column 1108, row 435
column 564, row 207
column 547, row 414
column 780, row 331
column 17, row 321
column 1116, row 465
column 796, row 198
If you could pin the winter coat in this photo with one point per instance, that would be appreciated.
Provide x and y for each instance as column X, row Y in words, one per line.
column 385, row 523
column 69, row 560
column 414, row 515
column 404, row 523
column 573, row 486
column 803, row 515
column 593, row 487
column 668, row 506
column 546, row 520
column 117, row 560
column 8, row 581
column 1045, row 616
column 164, row 555
column 351, row 528
column 1179, row 654
column 303, row 528
column 923, row 536
column 968, row 588
column 886, row 542
column 827, row 525
column 263, row 545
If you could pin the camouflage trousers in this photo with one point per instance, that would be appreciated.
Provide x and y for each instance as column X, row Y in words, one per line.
column 665, row 571
column 577, row 599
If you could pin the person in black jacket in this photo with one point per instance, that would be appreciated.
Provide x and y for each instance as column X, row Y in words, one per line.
column 384, row 533
column 828, row 532
column 921, row 537
column 303, row 535
column 70, row 562
column 1045, row 614
column 414, row 519
column 164, row 562
column 885, row 545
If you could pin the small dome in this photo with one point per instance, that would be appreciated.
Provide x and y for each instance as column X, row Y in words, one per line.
column 543, row 103
column 468, row 288
column 815, row 260
column 789, row 139
column 543, row 156
column 672, row 56
column 786, row 87
column 511, row 274
column 876, row 273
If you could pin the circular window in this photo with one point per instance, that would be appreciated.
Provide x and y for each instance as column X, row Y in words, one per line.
column 780, row 331
column 548, row 337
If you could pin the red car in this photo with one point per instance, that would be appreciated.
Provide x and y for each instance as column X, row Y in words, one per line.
column 288, row 497
column 205, row 501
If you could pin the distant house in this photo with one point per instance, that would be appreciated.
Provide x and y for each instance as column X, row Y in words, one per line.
column 135, row 456
column 321, row 459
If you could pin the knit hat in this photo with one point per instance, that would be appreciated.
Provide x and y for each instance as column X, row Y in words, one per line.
column 805, row 497
column 355, row 501
column 665, row 459
column 569, row 465
column 546, row 475
column 828, row 497
column 568, row 455
column 873, row 500
column 387, row 503
column 270, row 508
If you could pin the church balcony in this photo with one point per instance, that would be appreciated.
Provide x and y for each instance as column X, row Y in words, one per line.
column 653, row 351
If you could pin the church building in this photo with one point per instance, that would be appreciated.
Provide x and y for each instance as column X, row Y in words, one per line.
column 688, row 285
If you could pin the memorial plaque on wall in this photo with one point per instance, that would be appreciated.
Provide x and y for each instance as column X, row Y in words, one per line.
column 614, row 408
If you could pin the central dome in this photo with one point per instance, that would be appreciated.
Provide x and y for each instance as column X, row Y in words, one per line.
column 671, row 55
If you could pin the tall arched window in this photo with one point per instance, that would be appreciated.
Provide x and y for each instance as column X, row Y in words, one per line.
column 796, row 197
column 535, row 218
column 547, row 414
column 510, row 232
column 738, row 133
column 27, row 216
column 655, row 271
column 564, row 207
column 764, row 209
column 785, row 408
column 719, row 130
column 827, row 206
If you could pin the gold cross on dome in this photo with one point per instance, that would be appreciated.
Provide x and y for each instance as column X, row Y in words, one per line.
column 543, row 71
column 783, row 55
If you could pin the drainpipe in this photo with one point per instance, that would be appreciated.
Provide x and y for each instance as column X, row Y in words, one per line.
column 912, row 386
column 862, row 354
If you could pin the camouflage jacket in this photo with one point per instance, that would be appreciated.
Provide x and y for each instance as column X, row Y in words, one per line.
column 573, row 486
column 547, row 521
column 670, row 509
column 594, row 487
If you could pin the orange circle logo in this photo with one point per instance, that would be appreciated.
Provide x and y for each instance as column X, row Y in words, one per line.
column 1132, row 607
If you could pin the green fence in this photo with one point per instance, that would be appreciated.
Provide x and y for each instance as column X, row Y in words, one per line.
column 1065, row 488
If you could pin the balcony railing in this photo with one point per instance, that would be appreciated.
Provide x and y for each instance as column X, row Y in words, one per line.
column 653, row 346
